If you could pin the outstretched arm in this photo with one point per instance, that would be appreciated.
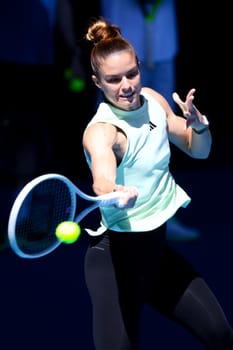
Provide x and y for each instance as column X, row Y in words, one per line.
column 99, row 141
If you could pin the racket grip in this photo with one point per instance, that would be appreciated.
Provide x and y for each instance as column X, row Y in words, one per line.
column 113, row 198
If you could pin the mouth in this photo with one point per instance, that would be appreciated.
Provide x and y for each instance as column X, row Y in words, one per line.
column 129, row 96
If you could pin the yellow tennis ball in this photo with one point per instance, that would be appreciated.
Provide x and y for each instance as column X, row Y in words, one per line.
column 68, row 232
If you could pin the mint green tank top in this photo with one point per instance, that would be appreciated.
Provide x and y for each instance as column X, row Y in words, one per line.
column 145, row 166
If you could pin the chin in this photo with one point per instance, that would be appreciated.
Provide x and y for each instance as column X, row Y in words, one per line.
column 129, row 105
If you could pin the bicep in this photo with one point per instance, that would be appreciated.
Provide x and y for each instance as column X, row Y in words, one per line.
column 98, row 142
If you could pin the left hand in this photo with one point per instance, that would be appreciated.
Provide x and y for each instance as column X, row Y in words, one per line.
column 193, row 117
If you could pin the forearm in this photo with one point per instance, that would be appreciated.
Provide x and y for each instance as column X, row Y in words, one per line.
column 102, row 185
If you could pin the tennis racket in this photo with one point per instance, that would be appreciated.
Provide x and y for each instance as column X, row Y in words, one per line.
column 41, row 205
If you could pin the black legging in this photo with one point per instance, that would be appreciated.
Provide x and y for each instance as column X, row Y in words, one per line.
column 126, row 270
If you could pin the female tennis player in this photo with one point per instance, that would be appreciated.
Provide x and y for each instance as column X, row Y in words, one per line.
column 129, row 263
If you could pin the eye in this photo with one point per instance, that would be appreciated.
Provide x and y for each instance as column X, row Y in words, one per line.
column 132, row 74
column 114, row 80
column 117, row 79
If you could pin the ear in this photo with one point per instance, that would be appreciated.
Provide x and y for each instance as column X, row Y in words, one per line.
column 96, row 81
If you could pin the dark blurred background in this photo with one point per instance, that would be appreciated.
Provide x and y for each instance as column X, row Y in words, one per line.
column 44, row 302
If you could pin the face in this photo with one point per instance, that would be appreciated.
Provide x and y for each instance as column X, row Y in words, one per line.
column 119, row 80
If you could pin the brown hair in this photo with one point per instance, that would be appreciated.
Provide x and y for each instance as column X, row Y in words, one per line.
column 107, row 39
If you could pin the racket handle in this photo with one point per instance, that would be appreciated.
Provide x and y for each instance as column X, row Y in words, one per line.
column 113, row 198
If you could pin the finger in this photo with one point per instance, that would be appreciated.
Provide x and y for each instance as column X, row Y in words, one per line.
column 190, row 94
column 176, row 98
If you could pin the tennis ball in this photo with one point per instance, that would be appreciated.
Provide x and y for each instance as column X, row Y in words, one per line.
column 68, row 232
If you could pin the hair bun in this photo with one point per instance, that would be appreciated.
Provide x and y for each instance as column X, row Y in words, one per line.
column 102, row 30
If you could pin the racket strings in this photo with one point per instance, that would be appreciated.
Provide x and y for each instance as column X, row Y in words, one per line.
column 46, row 205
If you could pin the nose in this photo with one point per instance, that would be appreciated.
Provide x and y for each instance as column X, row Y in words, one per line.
column 125, row 83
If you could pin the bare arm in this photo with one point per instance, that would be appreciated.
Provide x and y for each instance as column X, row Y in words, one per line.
column 99, row 141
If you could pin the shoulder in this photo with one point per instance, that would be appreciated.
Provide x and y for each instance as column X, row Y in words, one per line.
column 151, row 94
column 98, row 133
column 146, row 91
column 99, row 129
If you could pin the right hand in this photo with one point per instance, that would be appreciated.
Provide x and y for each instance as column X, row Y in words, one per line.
column 128, row 198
